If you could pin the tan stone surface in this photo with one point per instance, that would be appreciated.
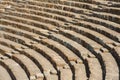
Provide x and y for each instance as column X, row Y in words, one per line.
column 59, row 40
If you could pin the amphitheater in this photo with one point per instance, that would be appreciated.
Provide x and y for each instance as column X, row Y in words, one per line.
column 59, row 40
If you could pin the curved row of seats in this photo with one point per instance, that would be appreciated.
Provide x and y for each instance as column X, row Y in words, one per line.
column 47, row 40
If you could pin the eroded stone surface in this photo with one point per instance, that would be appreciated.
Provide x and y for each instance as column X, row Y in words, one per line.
column 59, row 39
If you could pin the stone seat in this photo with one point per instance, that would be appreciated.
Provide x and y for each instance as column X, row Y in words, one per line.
column 5, row 75
column 16, row 69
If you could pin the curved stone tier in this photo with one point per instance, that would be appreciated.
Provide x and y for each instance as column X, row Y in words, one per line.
column 59, row 40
